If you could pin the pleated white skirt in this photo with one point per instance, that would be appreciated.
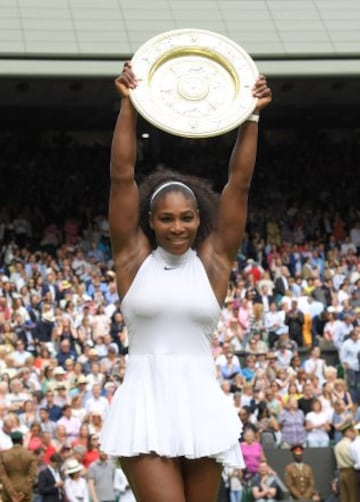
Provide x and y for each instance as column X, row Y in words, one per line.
column 173, row 406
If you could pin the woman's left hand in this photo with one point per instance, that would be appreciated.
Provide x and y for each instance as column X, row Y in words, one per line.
column 262, row 92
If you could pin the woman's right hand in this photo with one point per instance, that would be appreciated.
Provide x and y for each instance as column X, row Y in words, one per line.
column 126, row 80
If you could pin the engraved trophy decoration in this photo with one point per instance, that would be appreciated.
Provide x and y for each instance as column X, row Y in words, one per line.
column 193, row 83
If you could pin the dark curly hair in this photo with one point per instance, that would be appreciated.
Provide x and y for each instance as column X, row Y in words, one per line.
column 207, row 200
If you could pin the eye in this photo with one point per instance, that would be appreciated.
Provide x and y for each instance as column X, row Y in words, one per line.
column 188, row 217
column 165, row 219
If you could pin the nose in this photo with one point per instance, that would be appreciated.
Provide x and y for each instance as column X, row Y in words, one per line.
column 177, row 227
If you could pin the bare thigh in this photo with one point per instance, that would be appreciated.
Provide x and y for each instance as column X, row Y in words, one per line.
column 154, row 479
column 201, row 479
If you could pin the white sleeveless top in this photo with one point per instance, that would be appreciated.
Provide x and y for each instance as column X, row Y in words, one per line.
column 170, row 402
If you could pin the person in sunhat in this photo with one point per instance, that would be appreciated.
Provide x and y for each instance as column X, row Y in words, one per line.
column 299, row 477
column 76, row 487
column 18, row 471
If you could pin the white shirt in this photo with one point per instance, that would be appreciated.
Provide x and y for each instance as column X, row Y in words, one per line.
column 273, row 320
column 316, row 420
column 316, row 366
column 76, row 491
column 5, row 441
column 355, row 452
column 100, row 404
column 349, row 351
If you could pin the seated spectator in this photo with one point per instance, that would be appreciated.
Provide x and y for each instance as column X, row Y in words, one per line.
column 264, row 484
column 92, row 452
column 268, row 427
column 249, row 369
column 17, row 396
column 340, row 392
column 305, row 402
column 273, row 402
column 315, row 365
column 95, row 422
column 247, row 421
column 60, row 439
column 283, row 355
column 235, row 477
column 292, row 391
column 46, row 424
column 55, row 411
column 29, row 414
column 49, row 446
column 78, row 410
column 83, row 436
column 34, row 438
column 75, row 485
column 292, row 425
column 71, row 423
column 317, row 426
column 340, row 417
column 230, row 370
column 282, row 379
column 65, row 352
column 327, row 400
column 97, row 402
column 252, row 451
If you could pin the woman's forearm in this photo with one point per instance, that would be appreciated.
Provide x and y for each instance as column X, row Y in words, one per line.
column 123, row 147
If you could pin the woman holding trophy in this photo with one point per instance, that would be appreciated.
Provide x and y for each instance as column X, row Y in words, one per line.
column 174, row 243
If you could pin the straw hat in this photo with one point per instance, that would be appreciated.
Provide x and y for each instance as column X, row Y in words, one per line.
column 73, row 466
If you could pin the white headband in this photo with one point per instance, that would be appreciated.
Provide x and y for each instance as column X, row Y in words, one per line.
column 167, row 184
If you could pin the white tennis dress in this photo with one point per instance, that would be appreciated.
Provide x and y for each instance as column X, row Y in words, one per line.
column 170, row 402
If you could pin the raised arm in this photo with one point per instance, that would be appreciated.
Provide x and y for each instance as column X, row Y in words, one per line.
column 220, row 249
column 129, row 245
column 234, row 198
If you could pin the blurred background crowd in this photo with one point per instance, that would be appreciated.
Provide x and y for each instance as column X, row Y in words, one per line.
column 287, row 343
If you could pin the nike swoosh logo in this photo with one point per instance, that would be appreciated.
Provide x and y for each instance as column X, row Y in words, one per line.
column 169, row 268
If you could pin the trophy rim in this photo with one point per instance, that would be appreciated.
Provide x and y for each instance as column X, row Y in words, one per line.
column 234, row 66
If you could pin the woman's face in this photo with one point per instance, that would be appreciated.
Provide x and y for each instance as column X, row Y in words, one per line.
column 175, row 221
column 249, row 436
column 316, row 406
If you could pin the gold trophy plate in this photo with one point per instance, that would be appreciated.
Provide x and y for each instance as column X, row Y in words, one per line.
column 193, row 83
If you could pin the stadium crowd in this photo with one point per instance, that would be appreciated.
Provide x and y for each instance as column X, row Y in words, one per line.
column 294, row 294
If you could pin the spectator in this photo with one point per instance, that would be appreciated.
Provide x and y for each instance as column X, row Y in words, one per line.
column 341, row 417
column 341, row 393
column 50, row 484
column 34, row 438
column 306, row 401
column 317, row 426
column 71, row 424
column 264, row 484
column 349, row 357
column 75, row 486
column 294, row 319
column 252, row 452
column 92, row 452
column 101, row 479
column 292, row 425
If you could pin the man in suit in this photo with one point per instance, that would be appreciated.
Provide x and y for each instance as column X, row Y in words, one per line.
column 299, row 477
column 51, row 287
column 18, row 471
column 281, row 283
column 50, row 484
